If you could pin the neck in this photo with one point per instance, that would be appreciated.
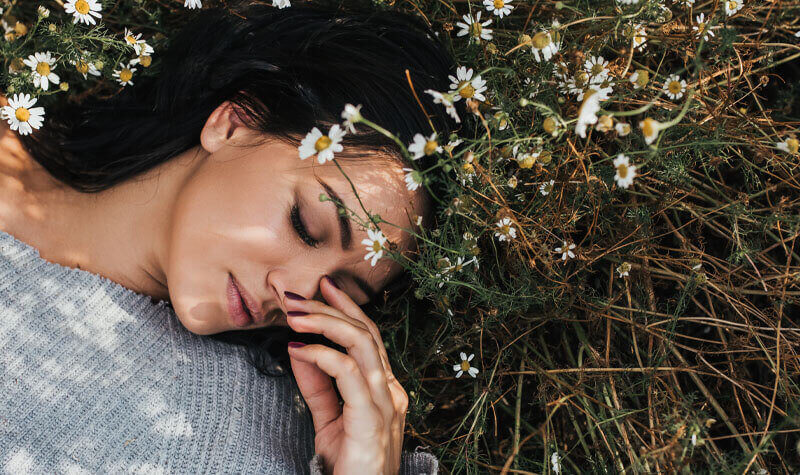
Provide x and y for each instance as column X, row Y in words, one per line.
column 121, row 233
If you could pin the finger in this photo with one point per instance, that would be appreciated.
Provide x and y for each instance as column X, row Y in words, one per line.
column 360, row 345
column 339, row 300
column 358, row 404
column 358, row 318
column 318, row 392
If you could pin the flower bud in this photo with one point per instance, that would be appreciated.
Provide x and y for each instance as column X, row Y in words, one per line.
column 43, row 11
column 64, row 86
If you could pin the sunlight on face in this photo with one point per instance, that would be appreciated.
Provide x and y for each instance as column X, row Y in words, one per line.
column 234, row 215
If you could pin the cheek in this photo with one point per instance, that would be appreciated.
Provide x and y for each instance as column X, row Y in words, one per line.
column 219, row 226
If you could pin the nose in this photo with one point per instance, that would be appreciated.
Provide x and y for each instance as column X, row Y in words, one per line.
column 305, row 284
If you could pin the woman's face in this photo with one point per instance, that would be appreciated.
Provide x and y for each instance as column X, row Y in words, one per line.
column 234, row 216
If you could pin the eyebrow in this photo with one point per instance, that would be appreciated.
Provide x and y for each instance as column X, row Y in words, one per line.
column 346, row 233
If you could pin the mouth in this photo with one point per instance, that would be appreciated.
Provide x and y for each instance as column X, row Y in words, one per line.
column 240, row 313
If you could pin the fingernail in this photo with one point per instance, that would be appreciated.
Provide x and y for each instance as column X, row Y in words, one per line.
column 296, row 344
column 293, row 295
column 295, row 313
column 332, row 282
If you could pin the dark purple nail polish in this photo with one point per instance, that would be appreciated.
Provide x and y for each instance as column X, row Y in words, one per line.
column 293, row 295
column 295, row 313
column 332, row 282
column 296, row 344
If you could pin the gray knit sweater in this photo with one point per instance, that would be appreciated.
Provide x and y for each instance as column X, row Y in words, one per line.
column 97, row 378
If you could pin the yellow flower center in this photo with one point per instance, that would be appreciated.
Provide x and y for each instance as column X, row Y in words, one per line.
column 639, row 39
column 526, row 161
column 145, row 61
column 499, row 4
column 643, row 78
column 540, row 40
column 465, row 89
column 430, row 147
column 675, row 87
column 130, row 39
column 701, row 27
column 649, row 127
column 464, row 365
column 458, row 267
column 581, row 78
column 793, row 145
column 732, row 5
column 622, row 170
column 322, row 143
column 548, row 188
column 376, row 246
column 125, row 75
column 82, row 7
column 597, row 69
column 476, row 29
column 549, row 125
column 22, row 114
column 544, row 157
column 43, row 69
column 505, row 229
column 82, row 66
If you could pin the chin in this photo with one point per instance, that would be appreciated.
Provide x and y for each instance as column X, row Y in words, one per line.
column 200, row 326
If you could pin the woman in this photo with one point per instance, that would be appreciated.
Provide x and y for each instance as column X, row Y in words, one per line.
column 183, row 200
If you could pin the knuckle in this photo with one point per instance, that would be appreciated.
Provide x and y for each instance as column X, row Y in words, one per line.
column 349, row 364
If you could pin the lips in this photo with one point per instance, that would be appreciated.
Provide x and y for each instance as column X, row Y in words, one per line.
column 252, row 305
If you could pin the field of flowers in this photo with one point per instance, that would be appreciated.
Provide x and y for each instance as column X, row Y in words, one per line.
column 615, row 285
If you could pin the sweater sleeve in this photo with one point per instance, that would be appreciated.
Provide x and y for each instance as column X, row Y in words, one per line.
column 412, row 463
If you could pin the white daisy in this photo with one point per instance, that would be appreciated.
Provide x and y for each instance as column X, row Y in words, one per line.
column 413, row 179
column 466, row 86
column 124, row 74
column 733, row 6
column 596, row 67
column 85, row 67
column 193, row 4
column 475, row 28
column 639, row 78
column 505, row 232
column 498, row 7
column 447, row 100
column 83, row 10
column 140, row 46
column 623, row 269
column 566, row 250
column 555, row 459
column 546, row 188
column 687, row 2
column 351, row 114
column 639, row 37
column 42, row 65
column 281, row 4
column 587, row 114
column 797, row 34
column 650, row 128
column 625, row 171
column 674, row 86
column 622, row 128
column 628, row 2
column 424, row 146
column 452, row 144
column 544, row 43
column 21, row 115
column 324, row 146
column 790, row 145
column 374, row 245
column 702, row 28
column 465, row 366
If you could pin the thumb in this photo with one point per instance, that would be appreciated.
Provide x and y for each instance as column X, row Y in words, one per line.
column 317, row 390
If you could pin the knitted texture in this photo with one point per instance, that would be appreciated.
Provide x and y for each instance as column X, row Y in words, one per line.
column 97, row 378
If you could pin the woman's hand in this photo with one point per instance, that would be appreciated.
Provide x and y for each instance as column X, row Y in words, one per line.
column 365, row 435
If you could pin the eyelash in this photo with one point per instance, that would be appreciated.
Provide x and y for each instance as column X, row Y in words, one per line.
column 301, row 229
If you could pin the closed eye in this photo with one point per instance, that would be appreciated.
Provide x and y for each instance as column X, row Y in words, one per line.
column 300, row 228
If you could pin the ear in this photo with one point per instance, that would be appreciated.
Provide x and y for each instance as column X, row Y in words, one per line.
column 222, row 127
